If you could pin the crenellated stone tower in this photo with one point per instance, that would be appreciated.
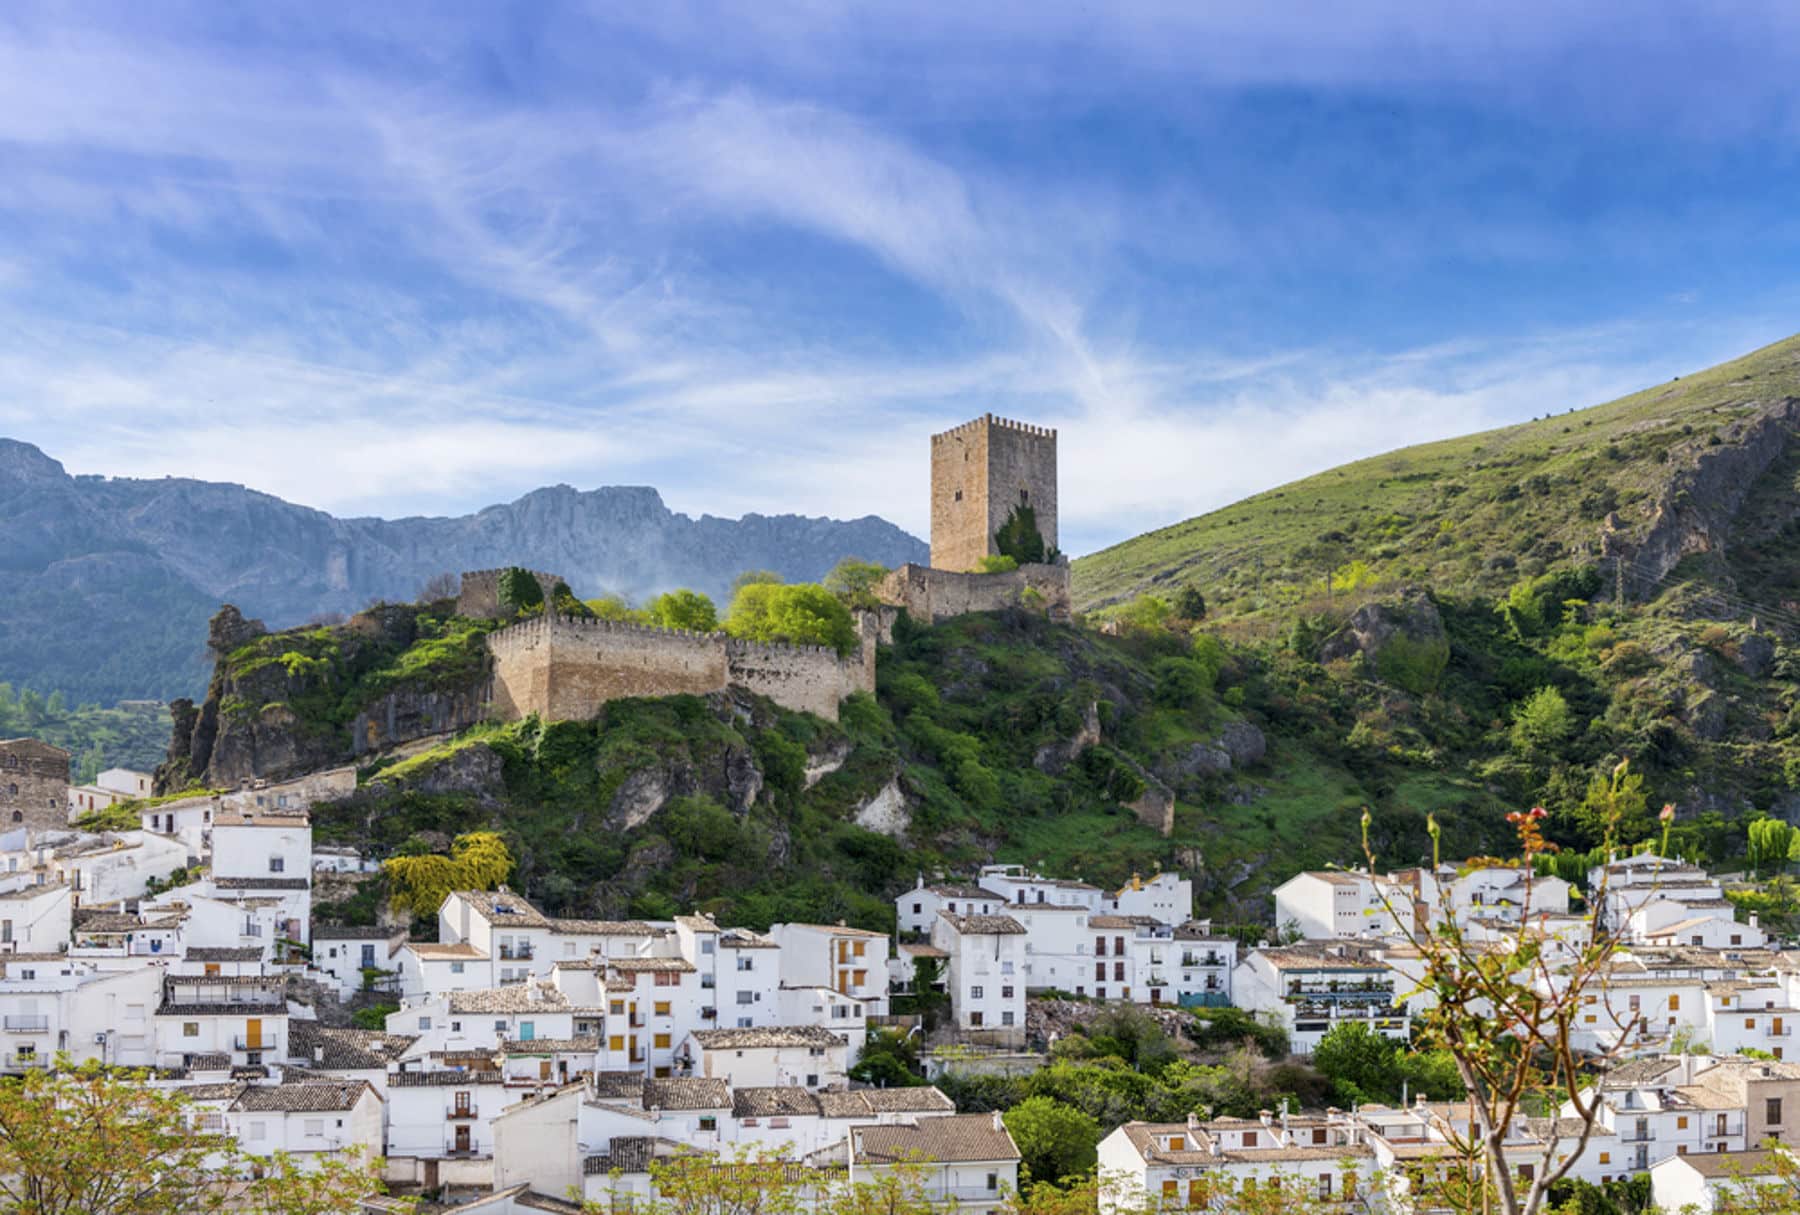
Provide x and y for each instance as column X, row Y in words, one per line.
column 981, row 471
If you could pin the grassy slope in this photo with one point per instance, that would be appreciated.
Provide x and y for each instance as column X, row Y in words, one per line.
column 1440, row 513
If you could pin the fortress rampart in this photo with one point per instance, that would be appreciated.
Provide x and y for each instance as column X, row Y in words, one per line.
column 565, row 668
column 930, row 595
column 479, row 597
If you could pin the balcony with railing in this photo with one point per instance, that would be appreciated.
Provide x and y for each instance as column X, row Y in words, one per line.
column 517, row 953
column 251, row 1042
column 20, row 1062
column 1637, row 1134
column 468, row 1149
column 1355, row 992
column 1202, row 959
column 465, row 1110
column 27, row 1023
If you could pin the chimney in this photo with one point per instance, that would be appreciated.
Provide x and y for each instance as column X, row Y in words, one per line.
column 319, row 1054
column 1212, row 1146
column 1753, row 919
column 1193, row 1121
column 1267, row 1116
column 998, row 1124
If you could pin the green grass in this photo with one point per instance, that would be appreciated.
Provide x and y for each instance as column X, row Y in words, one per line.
column 1441, row 513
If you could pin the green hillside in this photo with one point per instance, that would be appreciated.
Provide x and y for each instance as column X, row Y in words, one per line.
column 1469, row 516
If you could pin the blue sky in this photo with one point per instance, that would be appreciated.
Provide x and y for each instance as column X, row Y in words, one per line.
column 396, row 259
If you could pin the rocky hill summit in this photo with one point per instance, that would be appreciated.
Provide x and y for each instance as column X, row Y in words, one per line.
column 106, row 584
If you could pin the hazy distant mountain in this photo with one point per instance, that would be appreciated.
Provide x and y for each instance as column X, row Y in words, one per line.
column 106, row 584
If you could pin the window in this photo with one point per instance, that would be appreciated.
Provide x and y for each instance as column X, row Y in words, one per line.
column 660, row 1041
column 1605, row 1157
column 1318, row 1136
column 975, row 993
column 616, row 1008
column 812, row 1081
column 746, row 963
column 1119, row 972
column 1772, row 1110
column 1324, row 1185
column 1100, row 972
column 667, row 978
column 277, row 864
column 1168, row 1191
column 1249, row 1139
column 456, row 968
column 1006, row 993
column 615, row 1042
column 975, row 1019
column 744, row 997
column 1119, row 945
column 959, row 492
column 1006, row 1018
column 993, row 1181
column 1681, row 1123
column 662, row 1008
column 1178, row 1143
column 706, row 944
column 257, row 1130
column 456, row 1027
column 1099, row 947
column 314, row 1127
column 425, row 1022
column 500, row 1025
column 709, row 1122
column 1674, row 1002
column 190, row 1029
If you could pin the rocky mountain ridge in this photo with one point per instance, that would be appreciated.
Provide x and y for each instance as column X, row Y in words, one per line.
column 106, row 584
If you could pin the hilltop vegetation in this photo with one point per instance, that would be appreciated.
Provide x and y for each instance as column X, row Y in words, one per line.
column 1471, row 516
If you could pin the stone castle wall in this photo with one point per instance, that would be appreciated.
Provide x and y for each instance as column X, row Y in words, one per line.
column 34, row 785
column 980, row 471
column 930, row 595
column 479, row 597
column 566, row 669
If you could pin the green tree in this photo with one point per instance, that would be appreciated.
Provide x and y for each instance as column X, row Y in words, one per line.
column 94, row 1141
column 1772, row 843
column 1361, row 1063
column 614, row 606
column 684, row 609
column 996, row 563
column 854, row 580
column 1541, row 725
column 1054, row 1140
column 801, row 614
column 478, row 860
column 1614, row 807
column 1146, row 614
column 1190, row 604
column 520, row 590
column 752, row 578
column 1020, row 539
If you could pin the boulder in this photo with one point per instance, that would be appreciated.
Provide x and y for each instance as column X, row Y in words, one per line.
column 1402, row 639
column 886, row 812
column 1243, row 742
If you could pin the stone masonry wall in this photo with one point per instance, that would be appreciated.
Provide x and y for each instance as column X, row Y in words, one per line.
column 979, row 472
column 34, row 785
column 479, row 598
column 930, row 595
column 565, row 669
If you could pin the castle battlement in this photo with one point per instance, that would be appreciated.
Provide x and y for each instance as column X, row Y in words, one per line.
column 989, row 420
column 563, row 667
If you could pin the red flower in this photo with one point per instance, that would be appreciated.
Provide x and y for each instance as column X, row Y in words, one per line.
column 1539, row 812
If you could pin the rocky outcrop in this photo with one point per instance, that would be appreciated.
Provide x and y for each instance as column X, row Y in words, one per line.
column 887, row 812
column 468, row 770
column 1238, row 745
column 115, row 565
column 1053, row 757
column 1696, row 508
column 1403, row 640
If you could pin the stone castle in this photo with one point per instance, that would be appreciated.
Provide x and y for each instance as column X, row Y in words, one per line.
column 565, row 668
column 980, row 472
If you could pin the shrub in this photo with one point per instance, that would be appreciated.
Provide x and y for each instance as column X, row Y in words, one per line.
column 520, row 590
column 684, row 609
column 854, row 581
column 801, row 614
column 1020, row 539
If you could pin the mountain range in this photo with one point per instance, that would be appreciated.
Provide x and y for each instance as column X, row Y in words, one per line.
column 106, row 584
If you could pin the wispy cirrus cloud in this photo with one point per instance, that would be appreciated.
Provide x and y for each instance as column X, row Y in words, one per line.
column 417, row 267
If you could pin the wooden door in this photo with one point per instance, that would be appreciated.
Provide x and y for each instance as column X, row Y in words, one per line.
column 253, row 1039
column 462, row 1138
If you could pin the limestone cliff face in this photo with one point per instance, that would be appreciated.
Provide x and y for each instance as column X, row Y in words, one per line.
column 105, row 584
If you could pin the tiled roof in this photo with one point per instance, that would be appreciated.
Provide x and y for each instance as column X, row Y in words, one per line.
column 985, row 925
column 442, row 1079
column 697, row 923
column 743, row 938
column 839, row 930
column 211, row 1092
column 513, row 998
column 922, row 951
column 344, row 1049
column 861, row 1102
column 301, row 1098
column 957, row 1137
column 629, row 1154
column 772, row 1035
column 460, row 951
column 687, row 1093
column 355, row 932
column 775, row 1102
column 1123, row 921
column 265, row 817
column 549, row 1046
column 216, row 1062
column 503, row 908
column 1734, row 1165
column 962, row 890
column 172, row 1008
column 674, row 965
column 618, row 1084
column 223, row 953
column 261, row 883
column 605, row 928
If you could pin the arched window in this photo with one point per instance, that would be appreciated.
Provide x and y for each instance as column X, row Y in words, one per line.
column 18, row 817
